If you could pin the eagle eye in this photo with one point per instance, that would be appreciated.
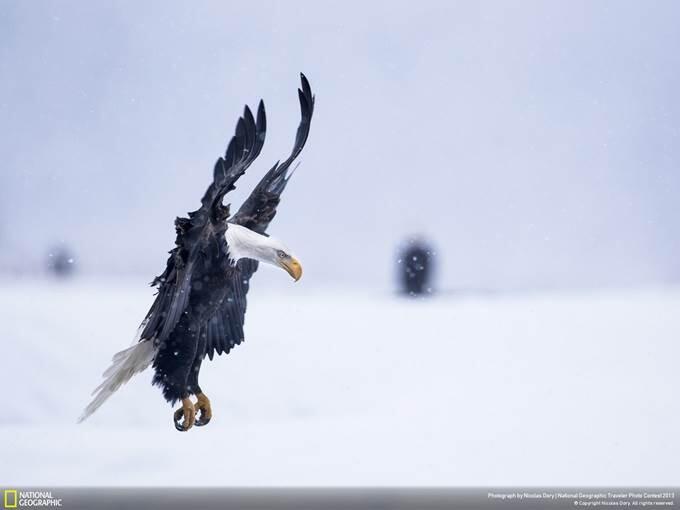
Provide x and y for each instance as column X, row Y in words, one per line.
column 281, row 253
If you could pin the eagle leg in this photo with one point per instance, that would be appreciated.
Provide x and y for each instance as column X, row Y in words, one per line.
column 202, row 404
column 187, row 412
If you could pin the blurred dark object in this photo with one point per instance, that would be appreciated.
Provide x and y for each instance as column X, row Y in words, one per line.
column 415, row 268
column 61, row 262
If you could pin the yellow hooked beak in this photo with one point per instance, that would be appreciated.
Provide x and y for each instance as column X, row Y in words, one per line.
column 292, row 267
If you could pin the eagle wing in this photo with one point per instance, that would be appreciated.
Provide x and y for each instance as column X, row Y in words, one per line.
column 224, row 330
column 203, row 231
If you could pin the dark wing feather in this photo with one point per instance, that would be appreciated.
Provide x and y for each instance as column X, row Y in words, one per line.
column 226, row 326
column 260, row 208
column 203, row 228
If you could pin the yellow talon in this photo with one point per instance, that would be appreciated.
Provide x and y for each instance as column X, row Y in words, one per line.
column 188, row 412
column 202, row 404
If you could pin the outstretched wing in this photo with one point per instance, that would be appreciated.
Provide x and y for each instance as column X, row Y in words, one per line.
column 260, row 207
column 203, row 228
column 225, row 328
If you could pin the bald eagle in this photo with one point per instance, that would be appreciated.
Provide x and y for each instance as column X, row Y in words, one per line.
column 200, row 306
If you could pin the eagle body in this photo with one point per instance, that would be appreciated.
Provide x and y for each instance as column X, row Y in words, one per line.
column 178, row 358
column 200, row 306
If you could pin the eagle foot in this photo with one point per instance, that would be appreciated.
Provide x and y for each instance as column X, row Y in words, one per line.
column 188, row 412
column 202, row 404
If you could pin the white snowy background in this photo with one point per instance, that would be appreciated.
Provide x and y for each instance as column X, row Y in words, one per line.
column 535, row 144
column 355, row 388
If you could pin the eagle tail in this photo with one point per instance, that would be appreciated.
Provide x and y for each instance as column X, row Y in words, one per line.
column 126, row 363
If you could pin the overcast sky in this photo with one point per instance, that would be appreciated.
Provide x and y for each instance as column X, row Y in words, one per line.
column 534, row 143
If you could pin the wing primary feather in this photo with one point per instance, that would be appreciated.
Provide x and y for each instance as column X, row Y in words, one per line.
column 305, row 85
column 219, row 172
column 239, row 145
column 261, row 120
column 241, row 129
column 251, row 128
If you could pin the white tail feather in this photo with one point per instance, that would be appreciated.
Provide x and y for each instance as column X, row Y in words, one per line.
column 126, row 363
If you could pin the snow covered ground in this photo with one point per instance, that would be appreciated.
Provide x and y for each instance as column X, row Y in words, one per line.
column 353, row 388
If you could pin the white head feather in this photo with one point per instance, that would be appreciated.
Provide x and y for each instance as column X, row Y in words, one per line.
column 244, row 243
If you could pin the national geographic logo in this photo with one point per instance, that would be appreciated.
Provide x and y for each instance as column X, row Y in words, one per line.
column 13, row 498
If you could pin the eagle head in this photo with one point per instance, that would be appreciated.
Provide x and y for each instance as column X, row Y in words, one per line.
column 245, row 243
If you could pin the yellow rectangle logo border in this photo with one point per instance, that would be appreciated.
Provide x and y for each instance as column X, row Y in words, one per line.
column 5, row 499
